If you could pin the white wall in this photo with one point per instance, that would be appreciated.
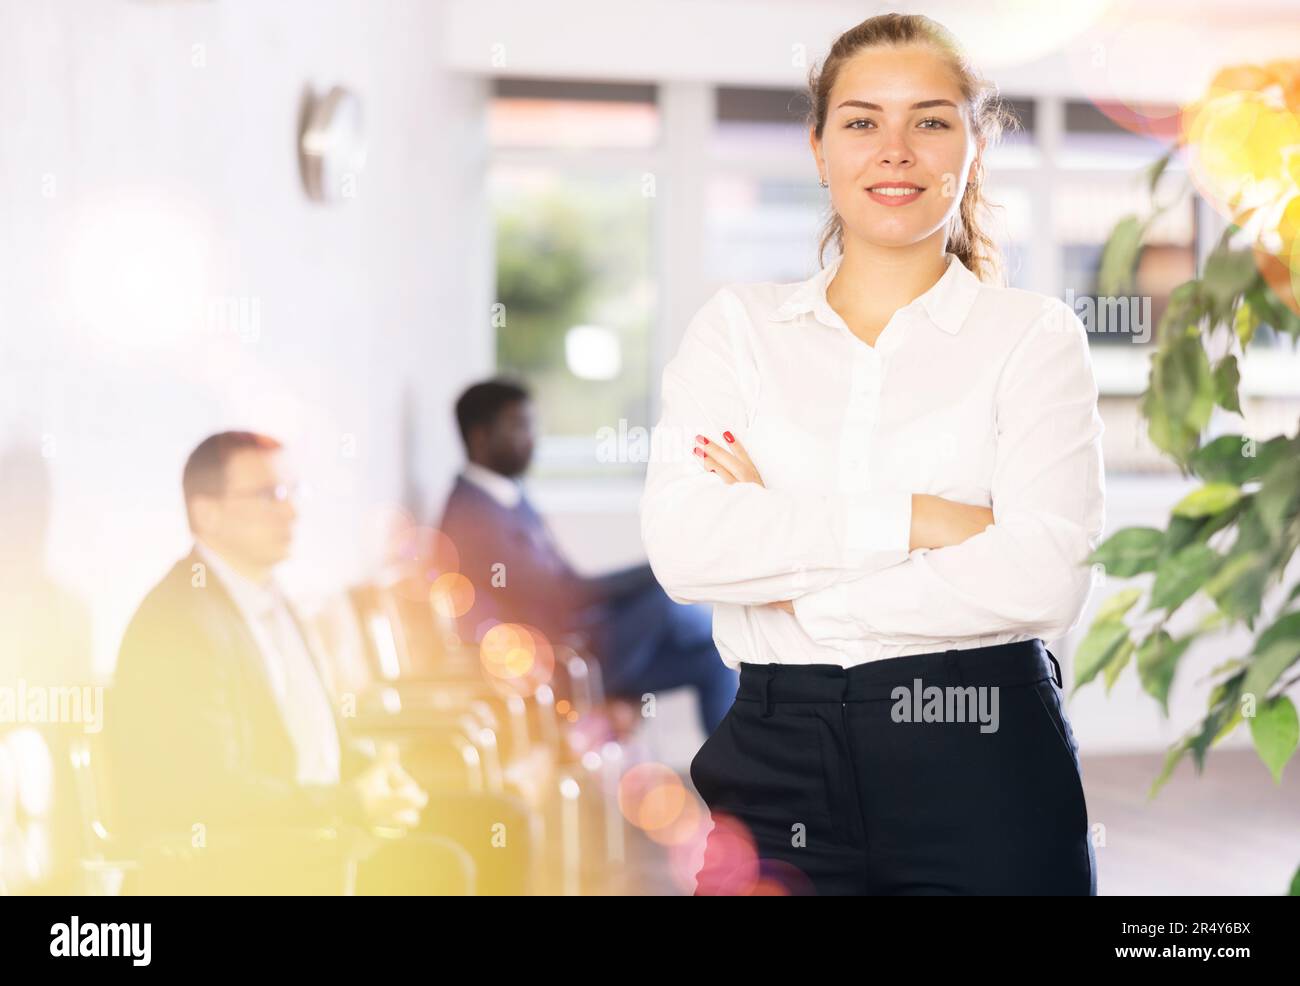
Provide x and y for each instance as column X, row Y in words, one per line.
column 148, row 164
column 1155, row 50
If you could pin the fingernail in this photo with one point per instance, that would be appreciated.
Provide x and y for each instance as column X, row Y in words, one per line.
column 701, row 439
column 728, row 436
column 699, row 453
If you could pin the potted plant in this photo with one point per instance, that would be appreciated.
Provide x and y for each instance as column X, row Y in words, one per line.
column 1230, row 540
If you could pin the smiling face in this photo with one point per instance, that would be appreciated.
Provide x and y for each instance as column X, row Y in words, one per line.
column 895, row 117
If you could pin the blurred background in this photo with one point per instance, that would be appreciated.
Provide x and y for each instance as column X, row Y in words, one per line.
column 548, row 191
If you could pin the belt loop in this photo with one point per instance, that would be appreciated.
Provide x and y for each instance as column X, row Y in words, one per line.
column 767, row 692
column 954, row 665
column 1056, row 670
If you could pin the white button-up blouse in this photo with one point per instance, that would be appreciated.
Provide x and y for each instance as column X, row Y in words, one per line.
column 977, row 393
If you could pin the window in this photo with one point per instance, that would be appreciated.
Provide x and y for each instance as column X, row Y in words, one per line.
column 554, row 114
column 763, row 229
column 763, row 121
column 1116, row 136
column 1087, row 209
column 576, row 288
column 764, row 206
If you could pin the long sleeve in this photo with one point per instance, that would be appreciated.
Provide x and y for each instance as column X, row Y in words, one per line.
column 1026, row 571
column 710, row 541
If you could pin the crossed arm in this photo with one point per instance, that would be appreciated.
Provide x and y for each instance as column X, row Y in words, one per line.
column 692, row 522
column 846, row 561
column 1026, row 572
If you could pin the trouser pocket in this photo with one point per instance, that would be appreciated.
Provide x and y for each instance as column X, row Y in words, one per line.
column 769, row 772
column 1062, row 737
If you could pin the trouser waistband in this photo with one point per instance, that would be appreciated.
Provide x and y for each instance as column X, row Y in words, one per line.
column 1017, row 663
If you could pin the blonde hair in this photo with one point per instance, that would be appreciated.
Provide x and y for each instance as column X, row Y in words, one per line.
column 967, row 237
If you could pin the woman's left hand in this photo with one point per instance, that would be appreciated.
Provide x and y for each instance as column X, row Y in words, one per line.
column 733, row 465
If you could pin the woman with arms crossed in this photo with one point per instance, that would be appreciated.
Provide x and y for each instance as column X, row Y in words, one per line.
column 887, row 480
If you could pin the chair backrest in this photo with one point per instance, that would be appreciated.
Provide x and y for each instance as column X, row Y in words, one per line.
column 345, row 644
column 381, row 633
column 442, row 608
column 88, row 755
column 35, row 854
column 408, row 635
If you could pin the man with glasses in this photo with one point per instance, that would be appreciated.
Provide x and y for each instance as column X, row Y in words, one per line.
column 223, row 731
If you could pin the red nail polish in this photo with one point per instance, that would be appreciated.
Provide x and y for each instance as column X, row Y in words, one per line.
column 699, row 453
column 701, row 439
column 728, row 436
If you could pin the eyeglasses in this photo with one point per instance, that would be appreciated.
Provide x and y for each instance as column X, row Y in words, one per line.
column 272, row 494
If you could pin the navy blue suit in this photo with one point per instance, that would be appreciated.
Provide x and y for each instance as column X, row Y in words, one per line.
column 643, row 640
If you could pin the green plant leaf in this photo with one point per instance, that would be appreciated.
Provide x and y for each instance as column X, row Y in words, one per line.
column 1278, row 496
column 1285, row 628
column 1180, row 395
column 1219, row 460
column 1277, row 649
column 1229, row 273
column 1117, row 269
column 1210, row 622
column 1117, row 605
column 1186, row 302
column 1118, row 662
column 1097, row 647
column 1272, row 310
column 1178, row 577
column 1237, row 587
column 1209, row 499
column 1252, row 535
column 1227, row 379
column 1276, row 731
column 1156, row 170
column 1129, row 552
column 1231, row 720
column 1244, row 322
column 1238, row 458
column 1172, row 756
column 1192, row 530
column 1231, row 664
column 1224, row 716
column 1157, row 660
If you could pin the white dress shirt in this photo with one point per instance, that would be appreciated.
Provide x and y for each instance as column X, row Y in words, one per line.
column 976, row 393
column 294, row 678
column 505, row 490
column 508, row 491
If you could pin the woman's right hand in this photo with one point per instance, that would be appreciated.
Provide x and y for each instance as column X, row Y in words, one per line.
column 938, row 523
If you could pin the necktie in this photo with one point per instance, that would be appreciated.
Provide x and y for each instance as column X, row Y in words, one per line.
column 303, row 700
column 541, row 538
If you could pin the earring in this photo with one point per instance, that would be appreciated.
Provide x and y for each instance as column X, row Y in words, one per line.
column 825, row 183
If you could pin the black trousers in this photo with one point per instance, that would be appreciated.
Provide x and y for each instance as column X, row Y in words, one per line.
column 951, row 772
